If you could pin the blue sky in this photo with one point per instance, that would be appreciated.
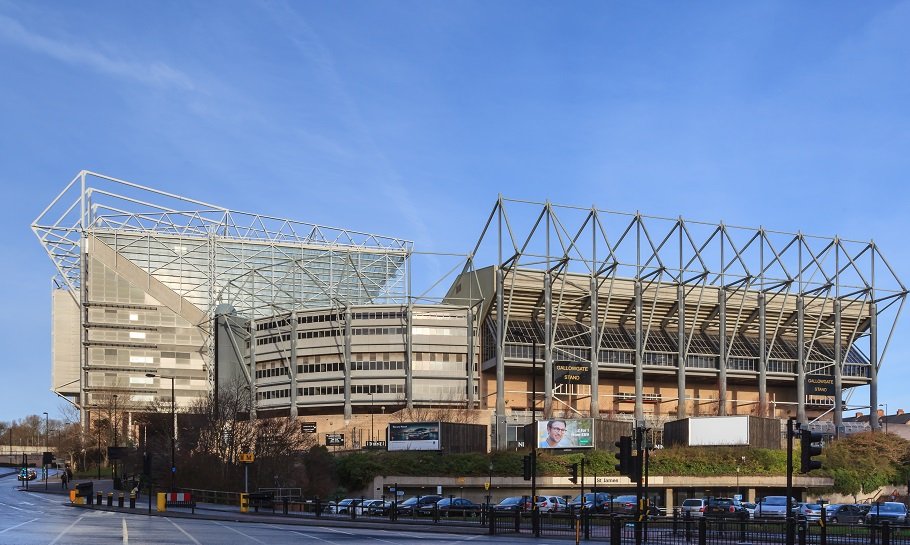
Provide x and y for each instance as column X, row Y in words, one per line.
column 408, row 118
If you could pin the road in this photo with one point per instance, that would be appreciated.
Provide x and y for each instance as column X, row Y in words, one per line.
column 33, row 518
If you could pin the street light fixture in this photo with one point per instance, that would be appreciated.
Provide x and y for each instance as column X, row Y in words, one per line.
column 173, row 425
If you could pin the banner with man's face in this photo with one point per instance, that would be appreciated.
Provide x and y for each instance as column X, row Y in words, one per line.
column 571, row 433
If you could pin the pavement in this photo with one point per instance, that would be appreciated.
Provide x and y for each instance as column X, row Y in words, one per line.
column 231, row 513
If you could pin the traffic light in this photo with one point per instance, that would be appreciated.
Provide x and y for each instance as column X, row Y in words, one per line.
column 47, row 458
column 146, row 464
column 809, row 450
column 626, row 465
column 526, row 466
column 573, row 469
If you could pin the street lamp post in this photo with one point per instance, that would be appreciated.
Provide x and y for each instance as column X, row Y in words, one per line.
column 173, row 426
column 885, row 405
column 43, row 464
column 114, row 420
column 372, row 411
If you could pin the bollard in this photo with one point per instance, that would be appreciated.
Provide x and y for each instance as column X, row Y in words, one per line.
column 132, row 500
column 318, row 507
column 244, row 503
column 100, row 498
column 120, row 500
column 110, row 499
column 284, row 506
column 162, row 502
column 73, row 495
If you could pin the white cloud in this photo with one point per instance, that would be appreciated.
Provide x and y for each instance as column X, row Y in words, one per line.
column 152, row 73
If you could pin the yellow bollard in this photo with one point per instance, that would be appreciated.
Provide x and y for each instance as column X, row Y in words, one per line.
column 73, row 496
column 162, row 502
column 244, row 503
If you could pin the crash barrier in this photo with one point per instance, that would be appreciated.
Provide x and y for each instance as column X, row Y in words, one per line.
column 219, row 497
column 179, row 499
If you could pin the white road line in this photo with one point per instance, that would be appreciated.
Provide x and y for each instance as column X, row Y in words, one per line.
column 336, row 531
column 65, row 530
column 312, row 537
column 193, row 539
column 28, row 503
column 16, row 526
column 12, row 506
column 126, row 533
column 239, row 532
column 42, row 498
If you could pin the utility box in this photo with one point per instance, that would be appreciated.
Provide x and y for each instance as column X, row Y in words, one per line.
column 713, row 431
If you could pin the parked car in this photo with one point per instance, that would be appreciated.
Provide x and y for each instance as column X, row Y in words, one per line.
column 891, row 511
column 624, row 505
column 749, row 507
column 513, row 503
column 409, row 505
column 774, row 507
column 345, row 506
column 366, row 508
column 594, row 501
column 693, row 507
column 725, row 508
column 846, row 513
column 451, row 507
column 379, row 507
column 551, row 504
column 811, row 511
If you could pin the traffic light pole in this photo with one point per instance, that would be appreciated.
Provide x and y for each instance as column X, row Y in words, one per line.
column 639, row 466
column 789, row 516
column 535, row 520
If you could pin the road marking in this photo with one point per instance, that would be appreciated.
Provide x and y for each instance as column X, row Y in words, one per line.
column 28, row 503
column 239, row 532
column 42, row 498
column 336, row 531
column 312, row 537
column 11, row 506
column 193, row 539
column 16, row 526
column 65, row 530
column 126, row 533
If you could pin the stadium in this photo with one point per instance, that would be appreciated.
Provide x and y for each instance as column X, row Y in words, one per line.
column 659, row 318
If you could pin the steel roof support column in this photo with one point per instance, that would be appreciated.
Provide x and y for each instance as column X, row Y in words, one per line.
column 873, row 368
column 252, row 369
column 595, row 352
column 547, row 346
column 292, row 364
column 409, row 355
column 470, row 358
column 83, row 309
column 722, row 345
column 681, row 356
column 347, row 362
column 639, row 370
column 762, row 357
column 838, row 386
column 801, row 360
column 502, row 432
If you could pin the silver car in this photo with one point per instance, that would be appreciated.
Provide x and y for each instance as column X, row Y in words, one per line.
column 774, row 507
column 693, row 507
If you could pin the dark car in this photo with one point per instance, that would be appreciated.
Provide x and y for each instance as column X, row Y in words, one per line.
column 847, row 513
column 409, row 505
column 624, row 505
column 451, row 507
column 892, row 511
column 514, row 503
column 594, row 501
column 725, row 508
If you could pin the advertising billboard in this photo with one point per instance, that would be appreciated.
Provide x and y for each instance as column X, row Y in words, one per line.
column 413, row 436
column 565, row 433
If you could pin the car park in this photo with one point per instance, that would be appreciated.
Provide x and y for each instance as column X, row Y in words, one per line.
column 727, row 508
column 846, row 513
column 693, row 507
column 891, row 511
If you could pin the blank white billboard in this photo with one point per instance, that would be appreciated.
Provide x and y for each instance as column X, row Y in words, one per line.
column 719, row 430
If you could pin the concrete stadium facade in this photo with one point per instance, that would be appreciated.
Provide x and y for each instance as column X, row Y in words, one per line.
column 323, row 323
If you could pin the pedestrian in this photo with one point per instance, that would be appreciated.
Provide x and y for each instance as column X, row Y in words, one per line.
column 64, row 479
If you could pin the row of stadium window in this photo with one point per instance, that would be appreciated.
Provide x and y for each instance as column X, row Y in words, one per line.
column 275, row 324
column 320, row 333
column 333, row 390
column 333, row 367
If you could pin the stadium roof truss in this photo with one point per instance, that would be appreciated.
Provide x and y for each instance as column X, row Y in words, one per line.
column 666, row 290
column 209, row 255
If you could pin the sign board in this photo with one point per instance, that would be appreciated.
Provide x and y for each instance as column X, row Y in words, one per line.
column 375, row 444
column 559, row 433
column 414, row 436
column 117, row 453
column 246, row 457
column 718, row 430
column 819, row 385
column 308, row 427
column 334, row 439
column 571, row 372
